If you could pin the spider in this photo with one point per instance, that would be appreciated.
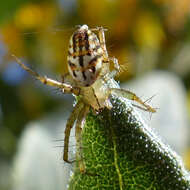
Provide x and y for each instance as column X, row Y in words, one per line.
column 89, row 71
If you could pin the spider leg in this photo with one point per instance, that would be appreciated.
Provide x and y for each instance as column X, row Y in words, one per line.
column 101, row 37
column 69, row 125
column 48, row 81
column 78, row 131
column 116, row 70
column 132, row 96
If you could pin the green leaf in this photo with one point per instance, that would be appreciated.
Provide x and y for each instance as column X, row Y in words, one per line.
column 122, row 153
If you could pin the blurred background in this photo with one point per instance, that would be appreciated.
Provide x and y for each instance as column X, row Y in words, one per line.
column 150, row 38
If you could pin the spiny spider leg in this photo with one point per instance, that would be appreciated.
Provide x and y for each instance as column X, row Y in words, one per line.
column 70, row 123
column 101, row 37
column 139, row 107
column 149, row 99
column 47, row 81
column 78, row 130
column 132, row 96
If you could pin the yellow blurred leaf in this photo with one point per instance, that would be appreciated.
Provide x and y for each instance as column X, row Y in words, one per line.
column 32, row 16
column 148, row 31
column 12, row 38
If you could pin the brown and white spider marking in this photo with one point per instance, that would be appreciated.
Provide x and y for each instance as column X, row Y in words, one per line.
column 89, row 71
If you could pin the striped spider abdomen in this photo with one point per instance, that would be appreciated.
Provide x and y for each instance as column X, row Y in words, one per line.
column 85, row 56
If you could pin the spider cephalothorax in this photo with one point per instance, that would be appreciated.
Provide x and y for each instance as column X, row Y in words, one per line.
column 89, row 75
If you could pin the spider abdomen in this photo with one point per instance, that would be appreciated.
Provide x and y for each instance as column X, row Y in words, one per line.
column 84, row 56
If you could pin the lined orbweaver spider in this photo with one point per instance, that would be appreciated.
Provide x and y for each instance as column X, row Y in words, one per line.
column 89, row 71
